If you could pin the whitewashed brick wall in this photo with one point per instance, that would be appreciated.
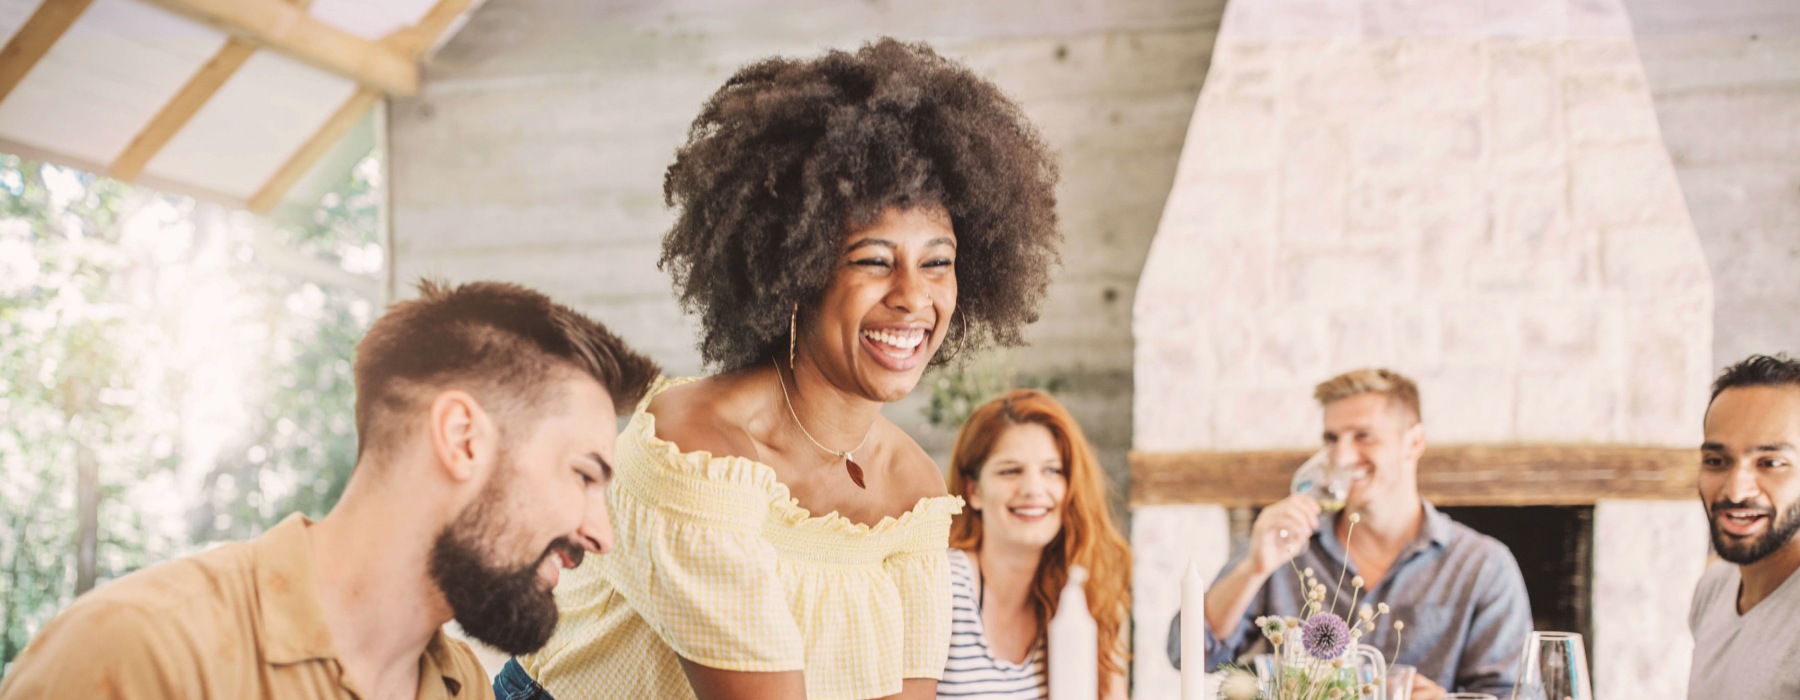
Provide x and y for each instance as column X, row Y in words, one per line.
column 1648, row 556
column 1493, row 214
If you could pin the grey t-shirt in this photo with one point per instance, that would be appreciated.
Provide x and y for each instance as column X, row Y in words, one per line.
column 1744, row 656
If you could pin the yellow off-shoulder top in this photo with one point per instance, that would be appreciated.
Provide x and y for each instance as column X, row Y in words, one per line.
column 716, row 563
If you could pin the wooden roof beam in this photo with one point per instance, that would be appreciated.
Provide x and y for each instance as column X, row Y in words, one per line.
column 412, row 41
column 416, row 40
column 315, row 148
column 28, row 45
column 286, row 28
column 186, row 103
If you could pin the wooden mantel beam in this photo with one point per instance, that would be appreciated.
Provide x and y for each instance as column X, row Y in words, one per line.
column 1451, row 475
column 285, row 27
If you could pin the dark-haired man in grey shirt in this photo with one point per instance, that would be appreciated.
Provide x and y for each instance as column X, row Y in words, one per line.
column 1746, row 607
column 1459, row 592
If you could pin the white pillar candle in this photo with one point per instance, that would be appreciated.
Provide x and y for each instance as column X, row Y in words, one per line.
column 1074, row 644
column 1193, row 634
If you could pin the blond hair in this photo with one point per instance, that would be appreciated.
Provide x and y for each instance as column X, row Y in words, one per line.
column 1399, row 390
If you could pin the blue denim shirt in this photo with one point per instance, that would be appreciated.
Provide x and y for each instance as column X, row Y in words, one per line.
column 1459, row 592
column 514, row 683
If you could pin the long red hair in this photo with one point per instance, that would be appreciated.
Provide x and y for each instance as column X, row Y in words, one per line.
column 1088, row 536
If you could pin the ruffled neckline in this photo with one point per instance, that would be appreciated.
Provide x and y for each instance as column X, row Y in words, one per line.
column 763, row 476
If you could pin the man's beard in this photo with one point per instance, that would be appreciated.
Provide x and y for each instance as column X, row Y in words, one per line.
column 504, row 607
column 1783, row 525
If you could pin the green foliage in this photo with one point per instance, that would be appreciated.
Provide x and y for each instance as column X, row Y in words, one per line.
column 298, row 453
column 65, row 384
column 958, row 389
column 101, row 365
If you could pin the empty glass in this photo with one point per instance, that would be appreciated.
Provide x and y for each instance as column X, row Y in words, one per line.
column 1553, row 667
column 1268, row 673
column 1400, row 681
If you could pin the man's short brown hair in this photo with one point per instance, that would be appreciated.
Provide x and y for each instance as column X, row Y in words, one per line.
column 1399, row 390
column 503, row 343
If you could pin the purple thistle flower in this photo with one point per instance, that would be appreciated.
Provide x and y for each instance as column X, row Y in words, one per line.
column 1325, row 636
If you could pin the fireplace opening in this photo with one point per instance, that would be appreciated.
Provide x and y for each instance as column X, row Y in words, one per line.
column 1554, row 547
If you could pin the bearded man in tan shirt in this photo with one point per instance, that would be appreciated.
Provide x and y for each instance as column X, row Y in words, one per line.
column 486, row 416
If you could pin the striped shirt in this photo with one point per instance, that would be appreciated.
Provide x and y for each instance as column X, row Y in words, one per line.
column 972, row 671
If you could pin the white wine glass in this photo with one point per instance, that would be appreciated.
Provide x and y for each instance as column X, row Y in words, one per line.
column 1325, row 482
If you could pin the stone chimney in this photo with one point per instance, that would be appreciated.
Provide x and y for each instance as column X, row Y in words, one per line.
column 1475, row 194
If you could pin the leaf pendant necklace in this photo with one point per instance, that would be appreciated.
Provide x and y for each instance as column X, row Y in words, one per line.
column 850, row 465
column 856, row 473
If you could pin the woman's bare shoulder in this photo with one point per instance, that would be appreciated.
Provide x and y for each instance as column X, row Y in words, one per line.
column 916, row 474
column 698, row 416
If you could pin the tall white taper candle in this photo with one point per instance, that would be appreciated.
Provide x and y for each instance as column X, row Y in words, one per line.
column 1193, row 634
column 1074, row 644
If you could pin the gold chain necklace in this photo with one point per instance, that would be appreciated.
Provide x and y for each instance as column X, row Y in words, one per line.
column 850, row 465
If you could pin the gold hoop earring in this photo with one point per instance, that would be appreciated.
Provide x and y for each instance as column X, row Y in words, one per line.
column 962, row 341
column 793, row 333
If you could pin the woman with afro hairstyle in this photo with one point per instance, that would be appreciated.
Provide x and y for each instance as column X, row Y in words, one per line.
column 843, row 222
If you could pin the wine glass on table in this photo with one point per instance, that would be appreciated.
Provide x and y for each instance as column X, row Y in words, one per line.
column 1400, row 681
column 1553, row 667
column 1268, row 673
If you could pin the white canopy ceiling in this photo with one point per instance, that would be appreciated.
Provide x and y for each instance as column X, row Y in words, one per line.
column 227, row 100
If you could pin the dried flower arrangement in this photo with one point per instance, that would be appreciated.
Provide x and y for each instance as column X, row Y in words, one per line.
column 1310, row 658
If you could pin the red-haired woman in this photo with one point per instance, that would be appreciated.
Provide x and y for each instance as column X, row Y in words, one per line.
column 1037, row 505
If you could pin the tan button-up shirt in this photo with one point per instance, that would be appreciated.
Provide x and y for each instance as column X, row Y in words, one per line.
column 241, row 622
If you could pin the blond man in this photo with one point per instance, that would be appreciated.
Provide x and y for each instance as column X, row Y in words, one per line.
column 1459, row 592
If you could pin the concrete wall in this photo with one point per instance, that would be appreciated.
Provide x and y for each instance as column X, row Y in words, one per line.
column 537, row 148
column 1725, row 78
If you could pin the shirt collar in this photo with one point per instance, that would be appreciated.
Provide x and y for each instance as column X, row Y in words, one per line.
column 293, row 626
column 1435, row 531
column 293, row 620
column 441, row 661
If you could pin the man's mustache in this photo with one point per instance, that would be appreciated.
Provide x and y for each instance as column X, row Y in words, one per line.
column 567, row 546
column 1723, row 504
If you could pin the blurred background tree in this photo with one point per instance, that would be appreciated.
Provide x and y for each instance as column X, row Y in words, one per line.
column 172, row 374
column 960, row 387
